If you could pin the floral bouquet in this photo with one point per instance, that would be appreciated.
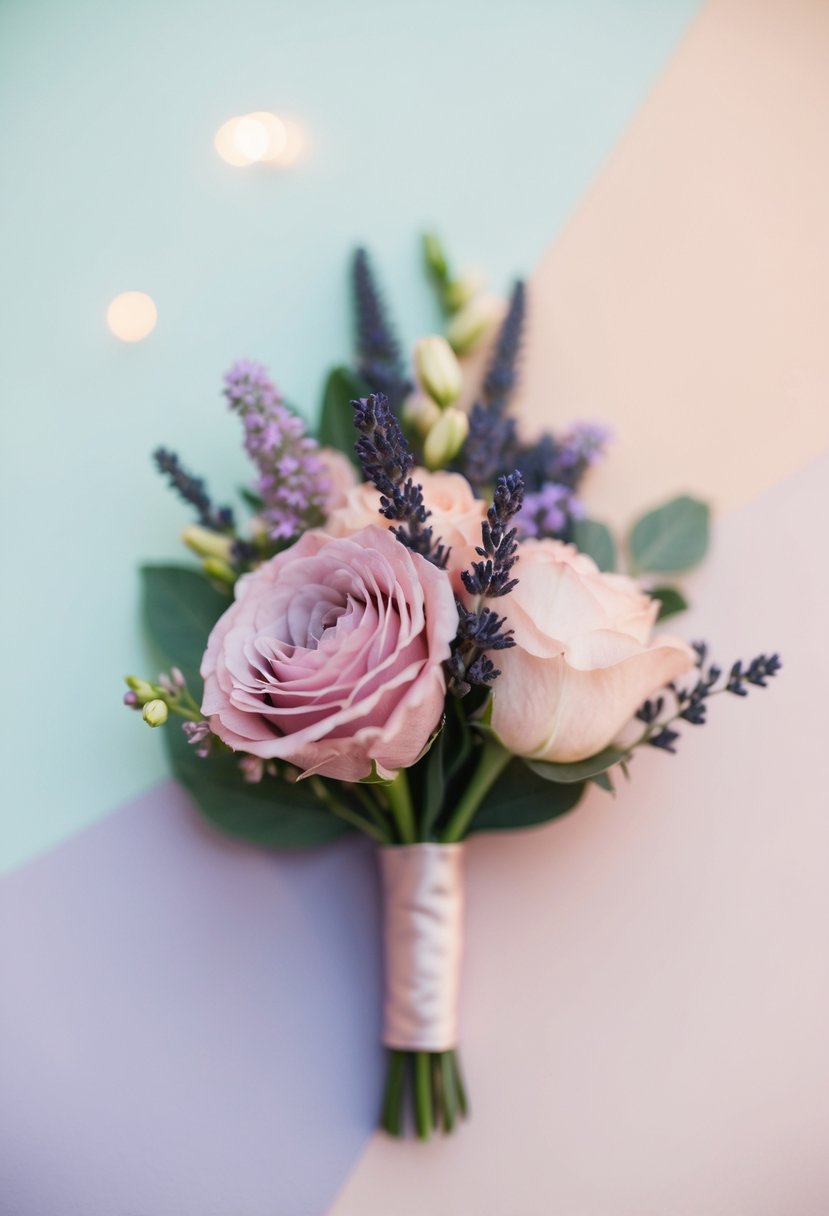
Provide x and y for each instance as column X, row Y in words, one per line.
column 417, row 634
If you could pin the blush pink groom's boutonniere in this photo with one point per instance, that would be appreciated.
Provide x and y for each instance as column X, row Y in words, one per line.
column 418, row 633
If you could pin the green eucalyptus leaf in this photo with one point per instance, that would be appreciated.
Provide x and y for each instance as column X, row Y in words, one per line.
column 672, row 537
column 181, row 607
column 521, row 799
column 336, row 428
column 272, row 813
column 581, row 770
column 596, row 540
column 671, row 601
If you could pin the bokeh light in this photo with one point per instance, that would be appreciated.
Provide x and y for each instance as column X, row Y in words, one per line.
column 259, row 138
column 132, row 316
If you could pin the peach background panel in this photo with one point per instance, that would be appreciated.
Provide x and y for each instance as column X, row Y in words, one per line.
column 687, row 301
column 646, row 990
column 645, row 1018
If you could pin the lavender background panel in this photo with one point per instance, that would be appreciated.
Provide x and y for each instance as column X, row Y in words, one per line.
column 186, row 1025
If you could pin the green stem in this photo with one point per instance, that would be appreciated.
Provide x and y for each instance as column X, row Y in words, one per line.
column 449, row 1089
column 494, row 759
column 374, row 811
column 400, row 801
column 343, row 812
column 463, row 1105
column 393, row 1099
column 423, row 1095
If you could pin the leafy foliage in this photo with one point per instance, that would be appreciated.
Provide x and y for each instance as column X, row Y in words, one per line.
column 596, row 540
column 336, row 428
column 522, row 799
column 671, row 601
column 272, row 813
column 182, row 607
column 671, row 538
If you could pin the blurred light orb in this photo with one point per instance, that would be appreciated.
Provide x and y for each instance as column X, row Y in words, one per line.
column 132, row 316
column 259, row 138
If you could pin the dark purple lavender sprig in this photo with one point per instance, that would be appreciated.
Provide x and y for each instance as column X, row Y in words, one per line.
column 386, row 461
column 481, row 629
column 380, row 361
column 691, row 704
column 491, row 576
column 492, row 441
column 501, row 378
column 193, row 491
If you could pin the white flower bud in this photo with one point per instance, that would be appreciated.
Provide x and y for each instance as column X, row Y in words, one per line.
column 438, row 370
column 420, row 413
column 446, row 438
column 206, row 543
column 155, row 713
column 470, row 326
column 143, row 690
column 435, row 256
column 460, row 291
column 215, row 567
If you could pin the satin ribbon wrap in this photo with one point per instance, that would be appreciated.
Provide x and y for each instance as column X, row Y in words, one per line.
column 423, row 940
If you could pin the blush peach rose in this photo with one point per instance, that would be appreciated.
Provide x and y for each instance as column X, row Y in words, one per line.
column 455, row 520
column 584, row 659
column 330, row 657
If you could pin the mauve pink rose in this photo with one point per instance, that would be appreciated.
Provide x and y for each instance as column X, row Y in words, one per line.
column 583, row 660
column 331, row 655
column 456, row 515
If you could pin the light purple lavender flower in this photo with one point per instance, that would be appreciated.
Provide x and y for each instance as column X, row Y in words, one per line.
column 252, row 768
column 584, row 444
column 549, row 512
column 199, row 736
column 292, row 481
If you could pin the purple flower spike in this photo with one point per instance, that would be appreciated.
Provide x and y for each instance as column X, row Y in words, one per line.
column 292, row 482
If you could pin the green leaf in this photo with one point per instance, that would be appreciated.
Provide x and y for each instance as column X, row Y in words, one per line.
column 596, row 540
column 521, row 799
column 254, row 501
column 336, row 428
column 581, row 770
column 181, row 607
column 273, row 813
column 671, row 601
column 673, row 537
column 605, row 782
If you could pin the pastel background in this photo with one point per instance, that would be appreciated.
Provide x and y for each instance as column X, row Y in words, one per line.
column 188, row 1026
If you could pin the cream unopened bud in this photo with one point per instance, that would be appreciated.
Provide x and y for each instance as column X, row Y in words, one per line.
column 435, row 257
column 460, row 291
column 446, row 438
column 215, row 567
column 155, row 713
column 207, row 543
column 420, row 413
column 143, row 690
column 438, row 370
column 473, row 322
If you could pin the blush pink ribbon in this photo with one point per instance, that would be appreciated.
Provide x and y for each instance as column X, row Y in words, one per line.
column 423, row 940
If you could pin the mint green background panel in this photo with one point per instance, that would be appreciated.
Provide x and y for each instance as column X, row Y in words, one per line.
column 486, row 120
